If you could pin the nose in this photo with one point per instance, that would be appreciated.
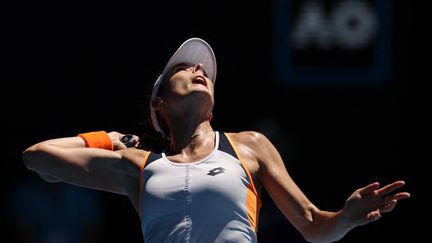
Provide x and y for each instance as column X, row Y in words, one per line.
column 199, row 67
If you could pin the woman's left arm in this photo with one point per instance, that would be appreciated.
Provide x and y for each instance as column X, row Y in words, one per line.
column 363, row 206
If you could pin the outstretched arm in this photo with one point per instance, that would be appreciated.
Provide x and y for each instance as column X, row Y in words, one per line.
column 363, row 206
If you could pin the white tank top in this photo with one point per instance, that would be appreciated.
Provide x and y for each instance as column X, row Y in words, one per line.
column 211, row 200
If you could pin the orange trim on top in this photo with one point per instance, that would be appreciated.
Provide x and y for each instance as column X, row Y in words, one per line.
column 253, row 206
column 243, row 164
column 145, row 159
column 253, row 201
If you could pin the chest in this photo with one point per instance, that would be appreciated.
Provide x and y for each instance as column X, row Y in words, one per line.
column 220, row 175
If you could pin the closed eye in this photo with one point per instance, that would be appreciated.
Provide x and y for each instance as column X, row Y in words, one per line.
column 181, row 66
column 186, row 67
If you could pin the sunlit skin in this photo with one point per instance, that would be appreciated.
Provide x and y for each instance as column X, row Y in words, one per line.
column 188, row 93
column 184, row 105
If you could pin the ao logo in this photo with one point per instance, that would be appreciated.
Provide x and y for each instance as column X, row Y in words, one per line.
column 349, row 25
column 343, row 42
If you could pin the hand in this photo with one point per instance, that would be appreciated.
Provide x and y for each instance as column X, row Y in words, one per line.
column 116, row 139
column 366, row 204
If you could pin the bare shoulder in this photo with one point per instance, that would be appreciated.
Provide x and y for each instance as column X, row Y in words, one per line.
column 252, row 139
column 254, row 144
column 248, row 145
column 258, row 146
column 134, row 156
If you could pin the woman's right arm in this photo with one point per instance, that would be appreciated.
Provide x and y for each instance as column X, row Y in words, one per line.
column 70, row 160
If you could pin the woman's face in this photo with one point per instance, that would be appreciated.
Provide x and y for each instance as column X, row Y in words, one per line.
column 187, row 79
column 186, row 88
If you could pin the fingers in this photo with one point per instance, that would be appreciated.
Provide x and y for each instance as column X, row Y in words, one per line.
column 369, row 188
column 390, row 187
column 136, row 140
column 400, row 195
column 388, row 207
column 374, row 215
column 130, row 140
column 396, row 197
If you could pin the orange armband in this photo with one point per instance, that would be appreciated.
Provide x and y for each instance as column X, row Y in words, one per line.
column 99, row 139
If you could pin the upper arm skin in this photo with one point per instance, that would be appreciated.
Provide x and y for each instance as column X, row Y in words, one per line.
column 274, row 176
column 113, row 171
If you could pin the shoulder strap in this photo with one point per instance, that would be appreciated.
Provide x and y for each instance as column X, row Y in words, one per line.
column 150, row 158
column 226, row 146
column 253, row 202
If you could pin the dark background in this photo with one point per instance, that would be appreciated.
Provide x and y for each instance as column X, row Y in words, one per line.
column 71, row 68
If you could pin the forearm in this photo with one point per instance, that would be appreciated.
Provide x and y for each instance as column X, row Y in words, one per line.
column 66, row 142
column 97, row 139
column 49, row 155
column 34, row 156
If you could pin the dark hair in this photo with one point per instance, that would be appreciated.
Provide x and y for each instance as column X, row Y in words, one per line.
column 150, row 139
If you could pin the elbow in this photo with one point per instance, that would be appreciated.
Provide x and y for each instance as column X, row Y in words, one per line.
column 49, row 178
column 306, row 229
column 28, row 157
column 313, row 238
column 310, row 230
column 31, row 157
column 314, row 233
column 308, row 235
column 319, row 240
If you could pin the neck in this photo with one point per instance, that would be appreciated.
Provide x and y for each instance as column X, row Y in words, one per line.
column 189, row 135
column 201, row 133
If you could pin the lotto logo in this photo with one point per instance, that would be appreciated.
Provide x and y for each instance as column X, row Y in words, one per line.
column 333, row 42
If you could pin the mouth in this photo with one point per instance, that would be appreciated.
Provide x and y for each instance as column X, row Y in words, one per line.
column 199, row 80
